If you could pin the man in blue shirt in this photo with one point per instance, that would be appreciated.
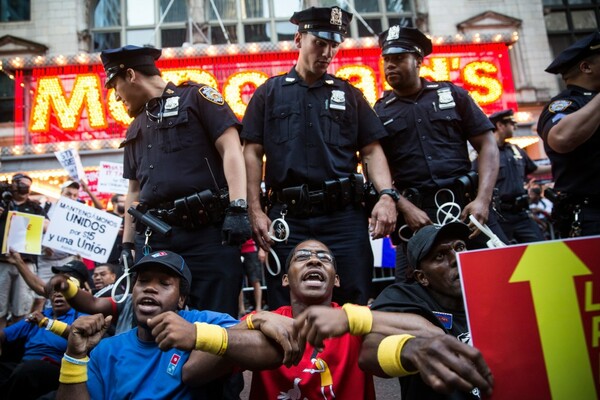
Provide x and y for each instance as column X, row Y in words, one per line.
column 37, row 372
column 132, row 364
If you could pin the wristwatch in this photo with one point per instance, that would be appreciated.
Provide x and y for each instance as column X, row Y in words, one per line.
column 393, row 193
column 240, row 203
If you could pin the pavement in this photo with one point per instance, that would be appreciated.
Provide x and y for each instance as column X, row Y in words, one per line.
column 385, row 389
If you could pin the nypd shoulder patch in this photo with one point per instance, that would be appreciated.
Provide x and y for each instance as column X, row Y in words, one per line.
column 559, row 105
column 212, row 95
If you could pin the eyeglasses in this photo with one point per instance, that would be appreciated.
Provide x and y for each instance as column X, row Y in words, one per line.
column 305, row 255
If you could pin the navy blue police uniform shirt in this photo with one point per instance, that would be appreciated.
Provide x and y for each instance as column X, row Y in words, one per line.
column 309, row 134
column 576, row 172
column 168, row 156
column 514, row 166
column 427, row 146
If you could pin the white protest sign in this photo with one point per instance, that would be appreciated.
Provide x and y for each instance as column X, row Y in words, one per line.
column 71, row 162
column 76, row 228
column 23, row 233
column 110, row 178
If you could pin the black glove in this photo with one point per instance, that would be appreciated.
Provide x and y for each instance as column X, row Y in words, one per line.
column 236, row 227
column 127, row 254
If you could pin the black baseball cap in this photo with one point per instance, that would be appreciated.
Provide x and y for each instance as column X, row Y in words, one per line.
column 74, row 268
column 168, row 259
column 425, row 238
column 574, row 53
column 117, row 60
column 401, row 39
column 329, row 23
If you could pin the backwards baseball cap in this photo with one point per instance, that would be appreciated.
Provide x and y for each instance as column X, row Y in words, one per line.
column 71, row 184
column 168, row 259
column 329, row 23
column 401, row 39
column 502, row 116
column 574, row 53
column 74, row 268
column 117, row 60
column 424, row 239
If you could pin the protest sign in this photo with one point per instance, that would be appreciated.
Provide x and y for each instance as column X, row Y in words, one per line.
column 23, row 233
column 110, row 178
column 534, row 312
column 71, row 162
column 79, row 229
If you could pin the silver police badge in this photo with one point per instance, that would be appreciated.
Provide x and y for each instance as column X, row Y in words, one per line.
column 171, row 106
column 393, row 33
column 336, row 16
column 338, row 100
column 445, row 98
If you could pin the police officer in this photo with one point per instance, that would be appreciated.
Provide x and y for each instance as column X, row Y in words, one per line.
column 570, row 129
column 512, row 200
column 429, row 124
column 310, row 125
column 182, row 154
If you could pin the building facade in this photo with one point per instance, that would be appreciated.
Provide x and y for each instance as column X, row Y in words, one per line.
column 214, row 40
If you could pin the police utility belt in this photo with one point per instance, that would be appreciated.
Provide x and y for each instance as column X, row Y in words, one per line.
column 513, row 204
column 331, row 196
column 190, row 212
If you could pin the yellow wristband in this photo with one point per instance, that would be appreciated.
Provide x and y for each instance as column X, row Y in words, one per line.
column 73, row 373
column 360, row 319
column 211, row 338
column 249, row 323
column 58, row 327
column 71, row 290
column 42, row 323
column 388, row 355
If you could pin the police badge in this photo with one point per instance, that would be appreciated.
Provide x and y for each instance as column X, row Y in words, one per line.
column 445, row 98
column 336, row 16
column 338, row 100
column 393, row 33
column 171, row 106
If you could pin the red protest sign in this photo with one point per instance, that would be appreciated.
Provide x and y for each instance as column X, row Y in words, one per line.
column 534, row 312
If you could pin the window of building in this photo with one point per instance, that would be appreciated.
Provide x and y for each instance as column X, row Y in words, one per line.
column 15, row 10
column 7, row 98
column 570, row 20
column 119, row 22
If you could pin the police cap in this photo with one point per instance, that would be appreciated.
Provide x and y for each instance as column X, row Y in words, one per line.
column 576, row 52
column 502, row 116
column 329, row 23
column 117, row 60
column 399, row 39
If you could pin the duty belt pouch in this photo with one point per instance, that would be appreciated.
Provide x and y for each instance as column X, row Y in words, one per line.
column 333, row 195
column 297, row 199
column 346, row 195
column 466, row 188
column 358, row 189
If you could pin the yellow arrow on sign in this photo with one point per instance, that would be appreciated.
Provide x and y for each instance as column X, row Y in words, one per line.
column 550, row 268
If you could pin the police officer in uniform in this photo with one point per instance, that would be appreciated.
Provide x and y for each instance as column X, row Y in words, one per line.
column 570, row 129
column 512, row 200
column 182, row 155
column 310, row 125
column 429, row 125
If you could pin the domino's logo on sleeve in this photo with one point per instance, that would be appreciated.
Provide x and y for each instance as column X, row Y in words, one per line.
column 173, row 364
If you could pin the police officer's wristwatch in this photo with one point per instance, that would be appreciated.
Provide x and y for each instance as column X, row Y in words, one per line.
column 239, row 203
column 393, row 193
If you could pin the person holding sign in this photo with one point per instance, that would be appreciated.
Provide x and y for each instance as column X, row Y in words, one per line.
column 439, row 363
column 15, row 296
column 183, row 159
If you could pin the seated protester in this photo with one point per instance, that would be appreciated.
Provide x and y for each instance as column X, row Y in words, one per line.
column 132, row 365
column 104, row 277
column 329, row 369
column 437, row 296
column 45, row 342
column 76, row 269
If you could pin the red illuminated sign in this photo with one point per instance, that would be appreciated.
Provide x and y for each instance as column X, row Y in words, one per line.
column 70, row 103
